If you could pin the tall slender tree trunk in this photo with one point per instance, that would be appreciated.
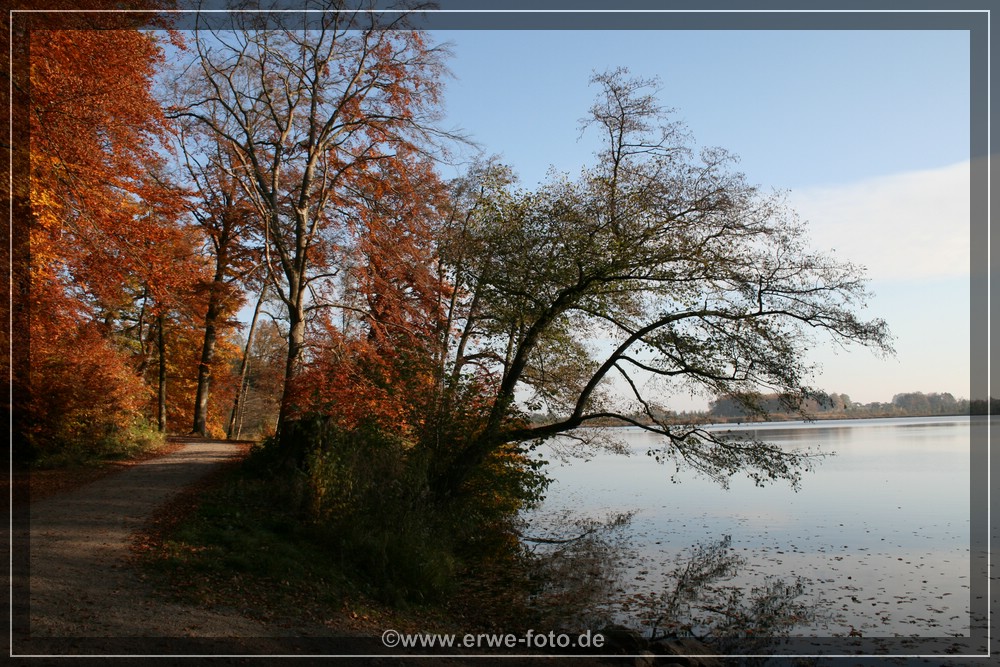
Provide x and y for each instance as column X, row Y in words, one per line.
column 240, row 412
column 245, row 364
column 141, row 338
column 200, row 426
column 161, row 414
column 290, row 436
column 208, row 347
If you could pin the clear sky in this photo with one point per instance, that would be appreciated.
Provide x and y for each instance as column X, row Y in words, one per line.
column 868, row 131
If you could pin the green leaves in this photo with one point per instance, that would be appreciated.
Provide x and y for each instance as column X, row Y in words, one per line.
column 658, row 263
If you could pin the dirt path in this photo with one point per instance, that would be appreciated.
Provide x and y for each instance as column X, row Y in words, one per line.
column 87, row 597
column 82, row 583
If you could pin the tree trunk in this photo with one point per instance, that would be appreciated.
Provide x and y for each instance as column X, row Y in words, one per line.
column 238, row 414
column 289, row 436
column 208, row 348
column 161, row 415
column 200, row 426
column 296, row 341
column 144, row 341
column 449, row 481
column 245, row 364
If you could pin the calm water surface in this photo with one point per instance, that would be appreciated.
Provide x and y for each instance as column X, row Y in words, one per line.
column 879, row 531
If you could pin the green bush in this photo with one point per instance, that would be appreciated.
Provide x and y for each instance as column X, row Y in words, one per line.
column 363, row 495
column 111, row 443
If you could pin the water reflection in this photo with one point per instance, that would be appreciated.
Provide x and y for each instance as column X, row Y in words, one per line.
column 697, row 608
column 576, row 564
column 878, row 535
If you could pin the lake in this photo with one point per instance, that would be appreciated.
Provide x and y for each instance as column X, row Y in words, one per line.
column 879, row 532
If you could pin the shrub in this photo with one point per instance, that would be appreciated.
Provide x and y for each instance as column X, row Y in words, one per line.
column 363, row 494
column 83, row 400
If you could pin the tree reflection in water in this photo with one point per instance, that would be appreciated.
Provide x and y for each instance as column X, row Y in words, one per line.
column 698, row 604
column 575, row 570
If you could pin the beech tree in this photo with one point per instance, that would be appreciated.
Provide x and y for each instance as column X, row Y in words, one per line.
column 374, row 363
column 155, row 318
column 313, row 114
column 224, row 216
column 99, row 220
column 675, row 267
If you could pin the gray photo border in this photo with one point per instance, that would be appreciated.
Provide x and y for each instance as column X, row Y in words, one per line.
column 973, row 17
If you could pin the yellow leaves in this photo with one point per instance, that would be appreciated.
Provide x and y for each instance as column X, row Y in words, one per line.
column 45, row 206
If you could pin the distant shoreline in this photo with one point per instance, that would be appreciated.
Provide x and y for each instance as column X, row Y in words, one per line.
column 830, row 417
column 776, row 419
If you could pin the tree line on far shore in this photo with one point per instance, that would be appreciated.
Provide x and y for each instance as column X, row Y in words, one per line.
column 824, row 405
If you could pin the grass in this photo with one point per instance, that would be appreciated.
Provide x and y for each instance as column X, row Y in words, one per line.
column 135, row 442
column 59, row 474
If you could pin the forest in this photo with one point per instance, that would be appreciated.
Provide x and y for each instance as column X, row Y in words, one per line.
column 241, row 233
column 832, row 405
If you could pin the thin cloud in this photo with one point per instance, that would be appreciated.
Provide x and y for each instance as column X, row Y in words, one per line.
column 908, row 226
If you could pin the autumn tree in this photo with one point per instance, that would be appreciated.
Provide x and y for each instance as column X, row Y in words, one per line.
column 685, row 273
column 374, row 357
column 225, row 219
column 100, row 214
column 312, row 114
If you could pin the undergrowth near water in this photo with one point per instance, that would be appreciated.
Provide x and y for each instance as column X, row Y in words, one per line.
column 253, row 538
column 242, row 540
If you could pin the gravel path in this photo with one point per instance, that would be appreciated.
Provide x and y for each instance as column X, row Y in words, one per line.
column 82, row 583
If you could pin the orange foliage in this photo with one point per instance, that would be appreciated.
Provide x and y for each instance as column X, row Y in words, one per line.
column 354, row 383
column 382, row 372
column 100, row 222
column 84, row 392
column 98, row 210
column 394, row 260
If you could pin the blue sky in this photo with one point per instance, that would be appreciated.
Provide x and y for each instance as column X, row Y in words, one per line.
column 868, row 131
